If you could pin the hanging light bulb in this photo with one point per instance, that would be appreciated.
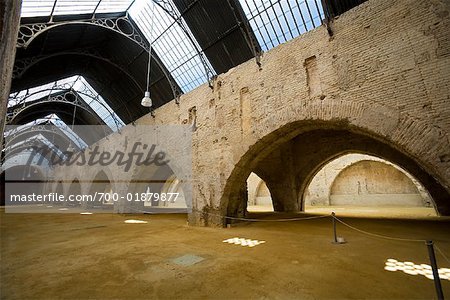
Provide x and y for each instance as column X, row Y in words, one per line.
column 146, row 101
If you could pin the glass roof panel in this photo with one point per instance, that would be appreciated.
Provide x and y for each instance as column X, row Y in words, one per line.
column 277, row 21
column 98, row 104
column 54, row 120
column 176, row 48
column 35, row 8
column 70, row 7
column 107, row 6
column 40, row 91
column 78, row 84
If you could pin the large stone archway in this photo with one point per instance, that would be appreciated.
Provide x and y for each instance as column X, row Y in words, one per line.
column 287, row 166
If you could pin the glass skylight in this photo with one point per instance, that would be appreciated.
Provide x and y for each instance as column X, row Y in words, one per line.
column 107, row 6
column 51, row 119
column 277, row 21
column 175, row 47
column 40, row 91
column 83, row 89
column 98, row 104
column 35, row 8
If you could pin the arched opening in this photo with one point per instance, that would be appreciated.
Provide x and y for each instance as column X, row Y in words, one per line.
column 259, row 198
column 157, row 189
column 101, row 191
column 288, row 158
column 364, row 185
column 174, row 195
column 59, row 189
column 74, row 193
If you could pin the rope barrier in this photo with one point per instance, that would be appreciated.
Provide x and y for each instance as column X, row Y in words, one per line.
column 378, row 235
column 261, row 220
column 442, row 253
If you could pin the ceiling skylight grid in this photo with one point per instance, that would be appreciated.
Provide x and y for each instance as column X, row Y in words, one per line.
column 40, row 8
column 40, row 91
column 174, row 43
column 68, row 7
column 98, row 104
column 36, row 8
column 176, row 47
column 83, row 89
column 107, row 6
column 277, row 21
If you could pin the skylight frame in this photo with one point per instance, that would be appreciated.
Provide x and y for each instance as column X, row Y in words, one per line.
column 78, row 84
column 277, row 21
column 174, row 43
column 50, row 8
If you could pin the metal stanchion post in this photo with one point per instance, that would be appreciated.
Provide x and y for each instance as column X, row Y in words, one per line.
column 437, row 280
column 334, row 227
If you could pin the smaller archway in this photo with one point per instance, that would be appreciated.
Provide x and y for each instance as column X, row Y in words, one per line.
column 363, row 185
column 101, row 192
column 259, row 198
column 74, row 193
column 172, row 196
column 59, row 193
column 157, row 189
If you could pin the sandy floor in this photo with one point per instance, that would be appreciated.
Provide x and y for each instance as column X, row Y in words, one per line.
column 72, row 256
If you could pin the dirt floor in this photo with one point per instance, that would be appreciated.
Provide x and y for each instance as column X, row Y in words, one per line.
column 73, row 256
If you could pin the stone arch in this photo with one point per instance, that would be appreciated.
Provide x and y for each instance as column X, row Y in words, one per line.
column 73, row 190
column 101, row 183
column 319, row 189
column 58, row 187
column 258, row 192
column 261, row 191
column 392, row 181
column 153, row 179
column 376, row 142
column 173, row 185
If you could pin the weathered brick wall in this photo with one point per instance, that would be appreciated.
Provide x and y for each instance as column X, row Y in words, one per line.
column 385, row 74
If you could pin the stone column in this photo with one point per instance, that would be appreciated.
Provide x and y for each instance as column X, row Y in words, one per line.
column 10, row 19
column 127, row 204
column 277, row 171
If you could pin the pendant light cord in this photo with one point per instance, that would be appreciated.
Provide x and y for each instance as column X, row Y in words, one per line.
column 150, row 46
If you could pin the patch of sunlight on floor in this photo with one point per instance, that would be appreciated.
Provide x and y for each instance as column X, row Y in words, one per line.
column 135, row 222
column 411, row 268
column 243, row 242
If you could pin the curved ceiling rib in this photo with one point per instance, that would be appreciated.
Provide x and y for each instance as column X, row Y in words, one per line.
column 74, row 90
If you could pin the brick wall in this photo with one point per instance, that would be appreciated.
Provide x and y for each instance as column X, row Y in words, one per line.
column 385, row 75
